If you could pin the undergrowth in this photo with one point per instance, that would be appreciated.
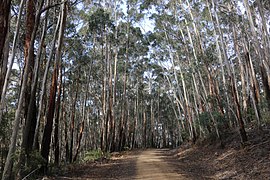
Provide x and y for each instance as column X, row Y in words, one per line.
column 94, row 155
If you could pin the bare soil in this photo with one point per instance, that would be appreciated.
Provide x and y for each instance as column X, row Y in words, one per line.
column 202, row 161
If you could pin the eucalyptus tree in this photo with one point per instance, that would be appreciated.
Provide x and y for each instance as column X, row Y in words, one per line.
column 230, row 76
column 203, row 31
column 30, row 122
column 167, row 25
column 44, row 84
column 4, row 44
column 9, row 161
column 46, row 140
column 100, row 26
column 261, row 53
column 5, row 79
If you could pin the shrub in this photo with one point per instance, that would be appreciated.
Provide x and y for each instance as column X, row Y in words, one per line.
column 93, row 155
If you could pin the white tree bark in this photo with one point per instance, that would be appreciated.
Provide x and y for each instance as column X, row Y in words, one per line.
column 12, row 146
column 11, row 60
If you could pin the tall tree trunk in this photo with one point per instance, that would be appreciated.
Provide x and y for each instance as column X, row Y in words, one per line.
column 29, row 56
column 4, row 72
column 266, row 45
column 103, row 134
column 242, row 72
column 44, row 82
column 238, row 113
column 4, row 76
column 46, row 140
column 4, row 64
column 263, row 62
column 63, row 129
column 66, row 138
column 79, row 141
column 124, row 96
column 84, row 118
column 30, row 123
column 266, row 86
column 72, row 122
column 111, row 108
column 4, row 26
column 220, row 50
column 232, row 81
column 136, row 114
column 252, row 87
column 144, row 129
column 57, row 116
column 12, row 147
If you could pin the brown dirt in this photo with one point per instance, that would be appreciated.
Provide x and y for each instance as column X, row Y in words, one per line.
column 155, row 164
column 140, row 164
column 249, row 161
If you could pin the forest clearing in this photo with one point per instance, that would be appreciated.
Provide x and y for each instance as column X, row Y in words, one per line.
column 172, row 88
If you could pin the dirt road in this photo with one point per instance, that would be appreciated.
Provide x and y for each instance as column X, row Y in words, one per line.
column 148, row 164
column 187, row 162
column 153, row 164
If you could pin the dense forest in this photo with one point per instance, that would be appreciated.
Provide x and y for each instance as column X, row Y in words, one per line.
column 77, row 76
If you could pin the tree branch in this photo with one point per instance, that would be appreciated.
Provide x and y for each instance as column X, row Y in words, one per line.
column 51, row 6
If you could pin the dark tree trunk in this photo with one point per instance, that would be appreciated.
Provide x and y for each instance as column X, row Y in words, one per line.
column 29, row 96
column 46, row 140
column 29, row 24
column 4, row 24
column 29, row 131
column 79, row 142
column 266, row 86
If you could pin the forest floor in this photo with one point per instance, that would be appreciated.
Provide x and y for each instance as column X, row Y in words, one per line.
column 204, row 160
